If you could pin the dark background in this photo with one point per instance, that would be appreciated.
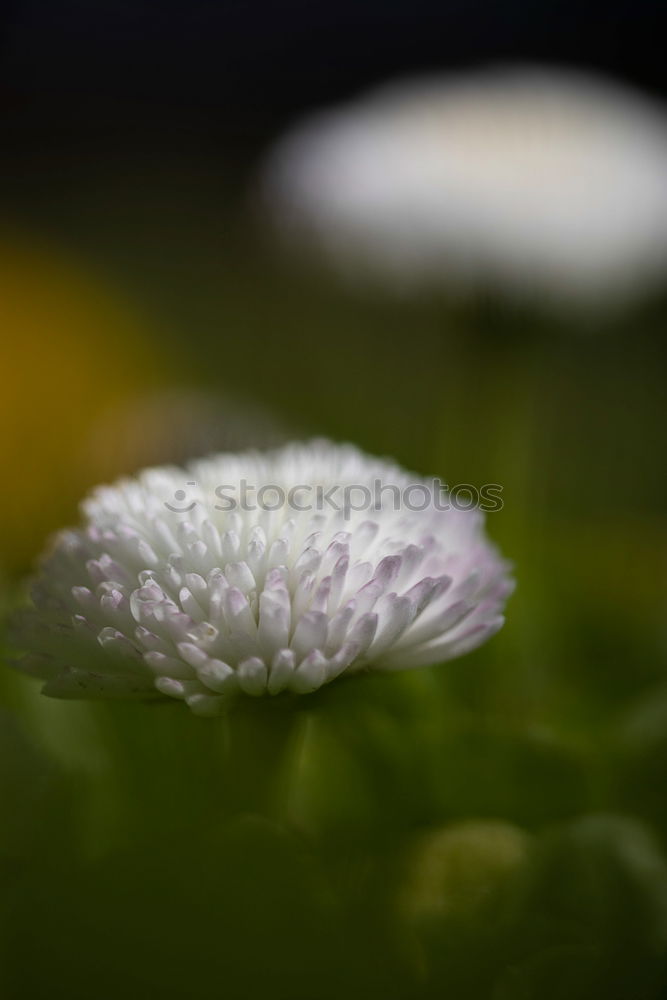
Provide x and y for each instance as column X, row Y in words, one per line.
column 226, row 75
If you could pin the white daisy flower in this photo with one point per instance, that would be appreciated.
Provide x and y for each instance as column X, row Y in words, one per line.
column 527, row 180
column 237, row 574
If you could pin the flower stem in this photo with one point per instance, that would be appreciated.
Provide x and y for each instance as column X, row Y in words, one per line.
column 260, row 739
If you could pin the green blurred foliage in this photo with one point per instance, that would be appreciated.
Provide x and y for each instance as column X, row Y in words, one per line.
column 493, row 828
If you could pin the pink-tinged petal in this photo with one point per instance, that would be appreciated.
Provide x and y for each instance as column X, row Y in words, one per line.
column 310, row 633
column 281, row 671
column 217, row 676
column 310, row 674
column 252, row 676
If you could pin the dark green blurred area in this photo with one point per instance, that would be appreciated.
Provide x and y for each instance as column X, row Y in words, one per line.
column 493, row 828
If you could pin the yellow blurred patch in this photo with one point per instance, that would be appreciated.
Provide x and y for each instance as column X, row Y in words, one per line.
column 70, row 348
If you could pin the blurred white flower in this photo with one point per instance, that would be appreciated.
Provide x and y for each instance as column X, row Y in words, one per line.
column 167, row 589
column 527, row 180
